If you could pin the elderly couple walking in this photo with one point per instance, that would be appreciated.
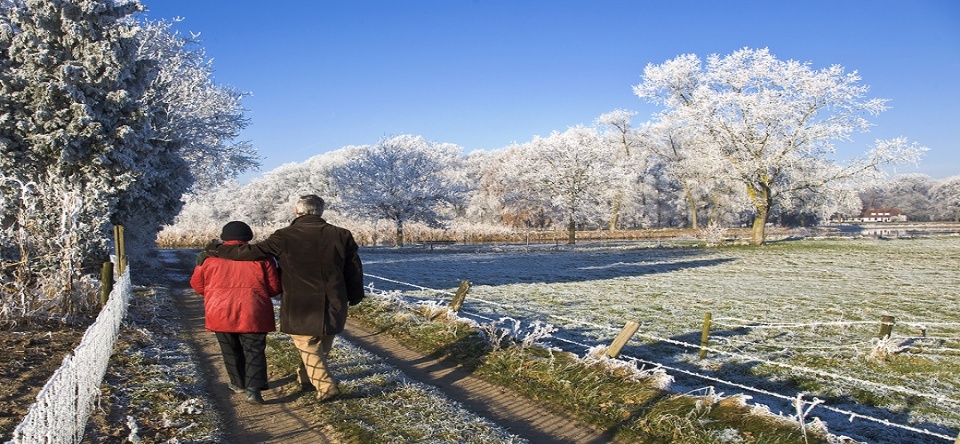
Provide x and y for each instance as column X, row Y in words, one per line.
column 319, row 275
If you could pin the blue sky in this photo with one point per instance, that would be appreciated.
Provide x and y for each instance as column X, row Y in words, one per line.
column 486, row 73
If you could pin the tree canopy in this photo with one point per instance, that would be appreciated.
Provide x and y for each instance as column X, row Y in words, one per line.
column 97, row 128
column 401, row 178
column 773, row 123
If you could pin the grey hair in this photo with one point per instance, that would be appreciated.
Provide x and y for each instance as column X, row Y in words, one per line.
column 309, row 204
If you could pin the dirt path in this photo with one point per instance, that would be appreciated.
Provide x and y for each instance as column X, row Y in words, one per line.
column 280, row 420
column 283, row 420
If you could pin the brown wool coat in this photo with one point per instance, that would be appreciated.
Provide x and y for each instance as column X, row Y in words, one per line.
column 320, row 270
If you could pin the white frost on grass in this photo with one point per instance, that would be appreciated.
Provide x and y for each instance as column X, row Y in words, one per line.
column 398, row 409
column 811, row 304
column 597, row 356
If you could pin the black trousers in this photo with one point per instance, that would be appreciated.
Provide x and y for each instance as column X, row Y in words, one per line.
column 244, row 355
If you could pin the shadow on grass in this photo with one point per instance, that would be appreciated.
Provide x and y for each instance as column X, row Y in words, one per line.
column 748, row 373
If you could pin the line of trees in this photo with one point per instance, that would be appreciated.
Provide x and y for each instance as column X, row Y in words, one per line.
column 106, row 118
column 742, row 140
column 597, row 177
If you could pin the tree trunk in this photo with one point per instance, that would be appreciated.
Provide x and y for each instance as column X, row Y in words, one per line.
column 571, row 232
column 758, row 233
column 762, row 202
column 692, row 203
column 399, row 241
column 615, row 217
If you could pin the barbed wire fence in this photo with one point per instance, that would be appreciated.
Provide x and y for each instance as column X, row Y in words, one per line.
column 944, row 401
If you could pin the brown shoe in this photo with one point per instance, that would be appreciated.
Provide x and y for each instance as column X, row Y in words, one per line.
column 329, row 395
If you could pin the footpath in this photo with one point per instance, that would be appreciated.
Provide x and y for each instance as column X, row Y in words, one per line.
column 284, row 420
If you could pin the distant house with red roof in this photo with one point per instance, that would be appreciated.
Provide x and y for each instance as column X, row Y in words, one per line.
column 881, row 215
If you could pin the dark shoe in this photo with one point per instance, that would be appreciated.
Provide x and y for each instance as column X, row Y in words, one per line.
column 236, row 388
column 254, row 397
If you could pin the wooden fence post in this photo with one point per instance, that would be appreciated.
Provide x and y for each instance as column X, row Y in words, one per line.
column 886, row 326
column 705, row 335
column 121, row 249
column 461, row 294
column 106, row 282
column 628, row 330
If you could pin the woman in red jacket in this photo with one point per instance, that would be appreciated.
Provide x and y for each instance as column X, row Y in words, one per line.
column 237, row 307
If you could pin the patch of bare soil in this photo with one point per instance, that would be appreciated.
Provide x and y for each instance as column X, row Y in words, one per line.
column 31, row 354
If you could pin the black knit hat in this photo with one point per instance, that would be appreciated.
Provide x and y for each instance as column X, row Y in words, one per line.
column 236, row 230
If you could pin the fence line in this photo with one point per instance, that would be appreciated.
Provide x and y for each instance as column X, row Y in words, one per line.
column 65, row 402
column 852, row 415
column 746, row 323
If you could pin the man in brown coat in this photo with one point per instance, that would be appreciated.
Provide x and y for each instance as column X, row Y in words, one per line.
column 321, row 274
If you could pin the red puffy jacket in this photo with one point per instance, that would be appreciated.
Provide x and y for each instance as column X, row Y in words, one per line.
column 236, row 294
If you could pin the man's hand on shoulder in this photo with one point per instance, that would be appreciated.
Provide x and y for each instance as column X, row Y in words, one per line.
column 211, row 248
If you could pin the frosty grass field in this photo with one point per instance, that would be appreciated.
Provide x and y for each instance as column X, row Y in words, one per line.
column 792, row 318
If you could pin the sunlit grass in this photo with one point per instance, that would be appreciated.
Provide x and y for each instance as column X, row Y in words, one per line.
column 610, row 399
column 815, row 303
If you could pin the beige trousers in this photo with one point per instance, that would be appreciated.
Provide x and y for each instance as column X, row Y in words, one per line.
column 313, row 354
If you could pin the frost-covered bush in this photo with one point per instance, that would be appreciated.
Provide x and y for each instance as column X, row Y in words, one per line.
column 507, row 332
column 106, row 121
column 597, row 356
column 883, row 349
column 495, row 335
column 713, row 234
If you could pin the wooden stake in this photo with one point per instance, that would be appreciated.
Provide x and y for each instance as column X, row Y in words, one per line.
column 121, row 251
column 886, row 326
column 617, row 345
column 705, row 335
column 106, row 282
column 460, row 296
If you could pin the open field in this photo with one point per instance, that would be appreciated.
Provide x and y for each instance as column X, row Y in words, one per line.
column 793, row 318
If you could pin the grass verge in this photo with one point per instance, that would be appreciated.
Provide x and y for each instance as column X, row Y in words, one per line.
column 631, row 405
column 379, row 404
column 153, row 390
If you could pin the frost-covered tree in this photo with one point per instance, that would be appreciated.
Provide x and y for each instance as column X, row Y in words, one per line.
column 521, row 200
column 571, row 167
column 772, row 122
column 88, row 131
column 402, row 179
column 196, row 124
column 201, row 117
column 74, row 121
column 266, row 203
column 946, row 194
column 628, row 161
column 695, row 167
column 909, row 193
column 485, row 202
